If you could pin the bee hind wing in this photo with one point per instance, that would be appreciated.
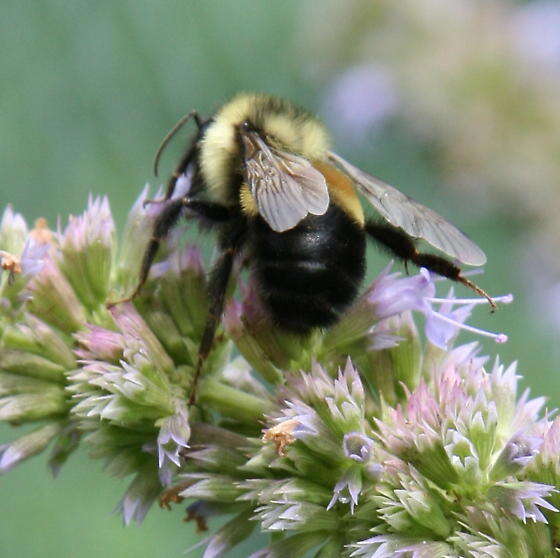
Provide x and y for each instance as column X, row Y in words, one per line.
column 412, row 217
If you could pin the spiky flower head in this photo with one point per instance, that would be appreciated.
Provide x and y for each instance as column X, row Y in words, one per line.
column 378, row 437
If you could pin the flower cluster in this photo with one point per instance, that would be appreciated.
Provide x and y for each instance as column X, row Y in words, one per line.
column 376, row 438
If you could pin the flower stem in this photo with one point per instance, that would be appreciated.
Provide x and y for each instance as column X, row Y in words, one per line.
column 233, row 402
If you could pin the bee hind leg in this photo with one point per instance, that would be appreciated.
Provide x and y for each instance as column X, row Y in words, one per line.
column 444, row 267
column 402, row 246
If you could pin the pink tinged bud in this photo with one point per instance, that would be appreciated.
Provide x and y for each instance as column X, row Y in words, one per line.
column 86, row 252
column 27, row 446
column 182, row 289
column 13, row 231
column 550, row 449
column 258, row 341
column 232, row 318
column 38, row 339
column 98, row 343
column 139, row 497
column 137, row 333
column 136, row 235
column 28, row 407
column 54, row 301
column 95, row 225
column 191, row 260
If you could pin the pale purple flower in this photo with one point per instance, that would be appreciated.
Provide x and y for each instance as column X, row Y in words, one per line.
column 399, row 546
column 391, row 294
column 519, row 451
column 523, row 499
column 357, row 446
column 441, row 332
column 173, row 436
column 347, row 490
column 535, row 32
column 443, row 324
column 34, row 256
column 304, row 422
column 360, row 101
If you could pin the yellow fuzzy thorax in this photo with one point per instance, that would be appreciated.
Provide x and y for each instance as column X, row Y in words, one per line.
column 288, row 126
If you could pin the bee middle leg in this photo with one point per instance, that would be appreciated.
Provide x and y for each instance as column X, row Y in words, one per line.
column 217, row 287
column 402, row 246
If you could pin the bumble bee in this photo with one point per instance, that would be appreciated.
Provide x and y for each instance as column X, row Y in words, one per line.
column 262, row 174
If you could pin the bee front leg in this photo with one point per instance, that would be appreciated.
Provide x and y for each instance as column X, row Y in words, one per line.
column 399, row 244
column 165, row 221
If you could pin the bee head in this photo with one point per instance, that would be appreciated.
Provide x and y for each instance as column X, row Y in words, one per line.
column 272, row 120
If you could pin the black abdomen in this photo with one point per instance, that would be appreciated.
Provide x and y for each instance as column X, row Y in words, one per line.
column 310, row 274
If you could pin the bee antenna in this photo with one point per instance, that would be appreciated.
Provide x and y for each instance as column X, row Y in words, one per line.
column 169, row 136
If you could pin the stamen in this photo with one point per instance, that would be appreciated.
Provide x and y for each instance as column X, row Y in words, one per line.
column 498, row 337
column 504, row 299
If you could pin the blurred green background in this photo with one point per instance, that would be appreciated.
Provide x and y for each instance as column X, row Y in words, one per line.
column 88, row 89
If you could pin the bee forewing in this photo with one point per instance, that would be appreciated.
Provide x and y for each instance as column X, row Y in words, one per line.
column 415, row 219
column 286, row 187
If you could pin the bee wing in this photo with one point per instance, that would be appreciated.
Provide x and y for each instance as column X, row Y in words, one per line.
column 285, row 186
column 415, row 219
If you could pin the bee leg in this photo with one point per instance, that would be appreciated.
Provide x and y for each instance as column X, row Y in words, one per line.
column 402, row 246
column 444, row 267
column 163, row 224
column 396, row 242
column 217, row 287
